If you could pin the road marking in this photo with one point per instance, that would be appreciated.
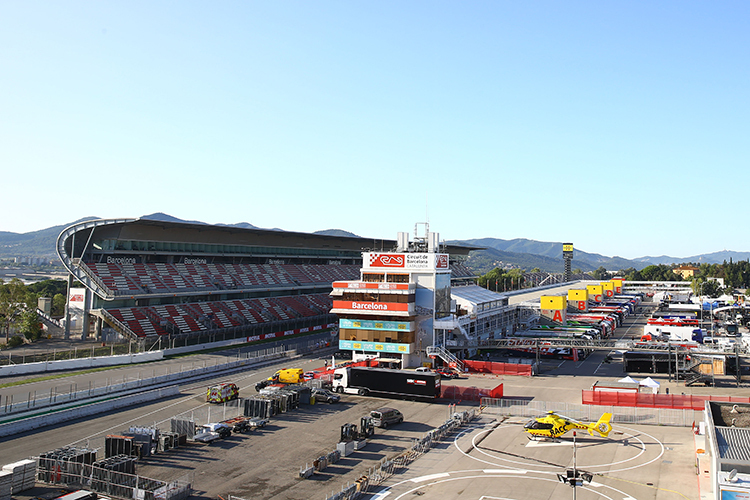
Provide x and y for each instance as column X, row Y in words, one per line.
column 429, row 477
column 504, row 471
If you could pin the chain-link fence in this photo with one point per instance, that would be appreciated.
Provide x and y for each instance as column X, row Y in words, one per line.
column 591, row 413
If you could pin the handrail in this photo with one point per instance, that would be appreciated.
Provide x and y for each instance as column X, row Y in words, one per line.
column 116, row 323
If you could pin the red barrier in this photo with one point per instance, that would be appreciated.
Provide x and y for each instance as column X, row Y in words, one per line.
column 496, row 368
column 497, row 392
column 463, row 393
column 675, row 401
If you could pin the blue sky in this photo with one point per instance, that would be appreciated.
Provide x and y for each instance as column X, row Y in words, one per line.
column 621, row 127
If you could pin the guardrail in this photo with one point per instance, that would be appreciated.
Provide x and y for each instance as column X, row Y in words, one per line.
column 55, row 397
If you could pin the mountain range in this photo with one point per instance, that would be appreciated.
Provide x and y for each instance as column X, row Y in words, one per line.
column 520, row 252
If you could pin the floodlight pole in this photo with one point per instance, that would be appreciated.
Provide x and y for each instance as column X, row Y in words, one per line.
column 575, row 470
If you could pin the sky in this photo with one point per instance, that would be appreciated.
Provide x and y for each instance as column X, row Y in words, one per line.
column 619, row 126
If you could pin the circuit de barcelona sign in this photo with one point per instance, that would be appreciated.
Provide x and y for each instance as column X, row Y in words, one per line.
column 355, row 345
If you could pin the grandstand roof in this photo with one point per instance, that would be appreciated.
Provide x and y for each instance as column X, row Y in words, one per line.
column 153, row 230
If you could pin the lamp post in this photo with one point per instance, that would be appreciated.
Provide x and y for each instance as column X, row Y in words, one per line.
column 573, row 476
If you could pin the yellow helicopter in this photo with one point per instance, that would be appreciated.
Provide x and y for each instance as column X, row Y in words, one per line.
column 553, row 425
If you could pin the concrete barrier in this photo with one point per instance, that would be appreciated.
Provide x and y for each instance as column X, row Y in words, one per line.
column 79, row 364
column 85, row 410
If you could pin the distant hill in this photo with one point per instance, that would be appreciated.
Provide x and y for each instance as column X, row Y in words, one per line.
column 520, row 252
column 336, row 232
column 483, row 261
column 33, row 244
column 707, row 258
column 547, row 256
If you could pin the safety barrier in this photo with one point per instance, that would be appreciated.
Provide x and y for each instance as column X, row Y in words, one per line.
column 78, row 364
column 84, row 410
column 459, row 393
column 56, row 397
column 499, row 368
column 591, row 413
column 643, row 400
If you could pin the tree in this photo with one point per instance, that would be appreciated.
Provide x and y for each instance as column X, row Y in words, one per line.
column 12, row 303
column 58, row 304
column 30, row 326
column 600, row 274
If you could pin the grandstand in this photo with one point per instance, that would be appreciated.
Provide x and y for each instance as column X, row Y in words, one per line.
column 150, row 279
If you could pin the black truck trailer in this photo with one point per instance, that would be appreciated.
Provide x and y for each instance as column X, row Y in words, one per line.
column 362, row 381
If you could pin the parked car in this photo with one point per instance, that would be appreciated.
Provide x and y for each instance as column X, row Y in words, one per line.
column 308, row 375
column 383, row 417
column 446, row 373
column 325, row 395
column 423, row 369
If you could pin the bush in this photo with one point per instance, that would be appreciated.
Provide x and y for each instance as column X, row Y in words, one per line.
column 15, row 341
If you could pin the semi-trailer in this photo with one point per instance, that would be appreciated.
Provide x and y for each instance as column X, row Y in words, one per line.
column 363, row 381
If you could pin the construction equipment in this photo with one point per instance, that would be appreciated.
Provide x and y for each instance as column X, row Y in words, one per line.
column 350, row 432
column 285, row 376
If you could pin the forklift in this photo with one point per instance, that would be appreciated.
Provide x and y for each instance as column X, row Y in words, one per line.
column 350, row 432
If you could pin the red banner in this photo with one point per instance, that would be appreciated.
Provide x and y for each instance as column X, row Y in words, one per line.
column 497, row 368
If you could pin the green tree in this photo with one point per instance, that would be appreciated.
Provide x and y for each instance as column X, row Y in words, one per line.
column 58, row 304
column 30, row 326
column 600, row 274
column 12, row 303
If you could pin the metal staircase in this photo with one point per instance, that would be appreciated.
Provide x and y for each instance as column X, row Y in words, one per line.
column 115, row 323
column 694, row 375
column 448, row 357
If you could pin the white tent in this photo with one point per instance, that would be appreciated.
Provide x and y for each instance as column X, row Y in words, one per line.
column 652, row 384
column 628, row 380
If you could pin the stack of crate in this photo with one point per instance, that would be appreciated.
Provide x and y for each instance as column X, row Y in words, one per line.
column 6, row 482
column 24, row 475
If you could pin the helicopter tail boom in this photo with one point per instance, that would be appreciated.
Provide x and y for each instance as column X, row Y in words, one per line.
column 602, row 426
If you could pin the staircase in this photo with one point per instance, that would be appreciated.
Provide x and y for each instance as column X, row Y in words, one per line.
column 448, row 357
column 694, row 375
column 115, row 323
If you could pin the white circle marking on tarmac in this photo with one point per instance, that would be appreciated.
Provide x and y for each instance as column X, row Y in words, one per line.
column 641, row 452
column 504, row 476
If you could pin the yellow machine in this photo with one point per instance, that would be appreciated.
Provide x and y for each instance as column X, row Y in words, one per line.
column 287, row 376
column 553, row 425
